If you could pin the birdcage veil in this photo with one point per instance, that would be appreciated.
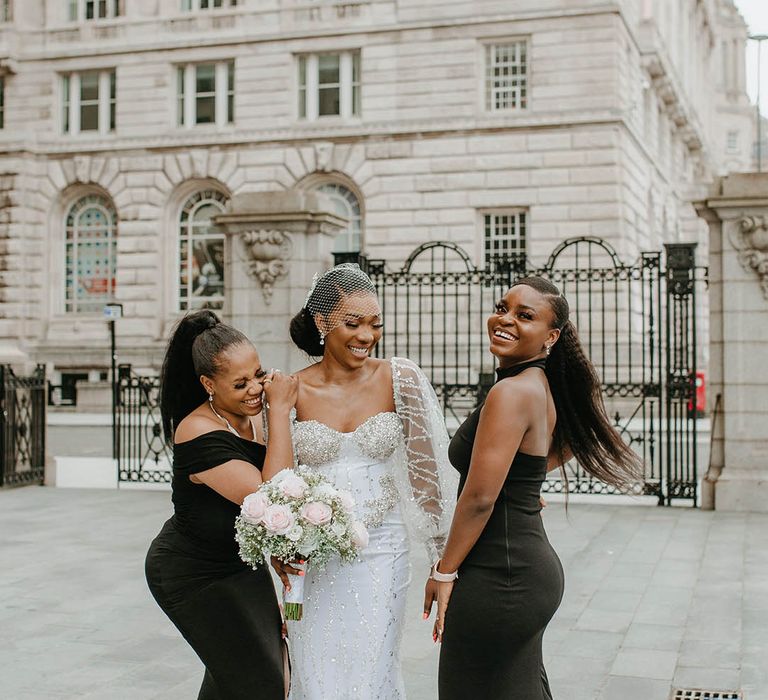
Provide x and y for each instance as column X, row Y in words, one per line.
column 341, row 293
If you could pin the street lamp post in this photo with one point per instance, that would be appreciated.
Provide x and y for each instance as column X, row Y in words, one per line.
column 759, row 38
column 111, row 313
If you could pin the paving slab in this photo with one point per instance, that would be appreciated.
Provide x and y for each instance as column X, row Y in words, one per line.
column 655, row 598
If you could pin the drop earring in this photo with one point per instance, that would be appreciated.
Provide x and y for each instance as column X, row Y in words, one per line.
column 322, row 338
column 210, row 398
column 549, row 349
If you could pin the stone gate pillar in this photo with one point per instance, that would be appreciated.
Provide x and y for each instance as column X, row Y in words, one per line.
column 276, row 241
column 737, row 215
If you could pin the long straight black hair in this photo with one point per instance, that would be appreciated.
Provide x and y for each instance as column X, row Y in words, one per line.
column 194, row 350
column 582, row 426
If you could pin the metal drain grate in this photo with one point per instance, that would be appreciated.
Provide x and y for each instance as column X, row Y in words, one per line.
column 698, row 694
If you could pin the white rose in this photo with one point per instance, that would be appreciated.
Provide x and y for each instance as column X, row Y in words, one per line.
column 316, row 513
column 282, row 474
column 293, row 486
column 278, row 519
column 295, row 533
column 338, row 528
column 253, row 508
column 359, row 535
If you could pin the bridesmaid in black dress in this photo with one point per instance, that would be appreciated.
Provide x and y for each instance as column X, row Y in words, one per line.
column 501, row 576
column 211, row 389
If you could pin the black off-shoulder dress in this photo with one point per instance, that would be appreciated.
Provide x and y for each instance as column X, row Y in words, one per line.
column 226, row 611
column 509, row 586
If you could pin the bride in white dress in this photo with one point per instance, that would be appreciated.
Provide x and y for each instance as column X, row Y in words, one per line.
column 373, row 427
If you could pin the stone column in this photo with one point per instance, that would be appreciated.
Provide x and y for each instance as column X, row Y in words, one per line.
column 13, row 286
column 737, row 215
column 276, row 242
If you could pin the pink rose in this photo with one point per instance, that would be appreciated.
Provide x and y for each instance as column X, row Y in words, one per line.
column 278, row 519
column 359, row 535
column 347, row 500
column 293, row 486
column 316, row 513
column 254, row 507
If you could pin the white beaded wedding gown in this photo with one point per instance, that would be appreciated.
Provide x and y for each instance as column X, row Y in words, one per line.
column 347, row 646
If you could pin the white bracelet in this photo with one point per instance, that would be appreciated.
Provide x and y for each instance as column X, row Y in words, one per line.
column 436, row 575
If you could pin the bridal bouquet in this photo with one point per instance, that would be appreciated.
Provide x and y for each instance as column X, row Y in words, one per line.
column 298, row 514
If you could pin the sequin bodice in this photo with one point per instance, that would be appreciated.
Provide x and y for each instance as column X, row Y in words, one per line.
column 376, row 438
column 359, row 461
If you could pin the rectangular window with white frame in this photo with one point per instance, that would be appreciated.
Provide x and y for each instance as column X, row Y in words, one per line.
column 506, row 75
column 329, row 85
column 94, row 9
column 6, row 10
column 89, row 102
column 732, row 142
column 194, row 5
column 205, row 94
column 504, row 235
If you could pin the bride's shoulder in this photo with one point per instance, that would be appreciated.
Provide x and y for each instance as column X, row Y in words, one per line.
column 379, row 364
column 308, row 374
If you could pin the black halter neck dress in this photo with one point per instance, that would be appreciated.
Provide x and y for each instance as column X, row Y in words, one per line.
column 509, row 586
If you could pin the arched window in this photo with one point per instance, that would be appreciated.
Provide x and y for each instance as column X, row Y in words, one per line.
column 201, row 252
column 90, row 255
column 346, row 204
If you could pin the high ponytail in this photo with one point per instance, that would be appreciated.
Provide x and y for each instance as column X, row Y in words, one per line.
column 194, row 350
column 583, row 427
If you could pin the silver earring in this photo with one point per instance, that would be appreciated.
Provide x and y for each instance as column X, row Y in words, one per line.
column 549, row 349
column 322, row 338
column 210, row 397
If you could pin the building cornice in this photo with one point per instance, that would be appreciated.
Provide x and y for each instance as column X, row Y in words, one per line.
column 426, row 128
column 115, row 37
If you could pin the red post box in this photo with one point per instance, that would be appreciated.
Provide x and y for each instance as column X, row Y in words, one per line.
column 697, row 405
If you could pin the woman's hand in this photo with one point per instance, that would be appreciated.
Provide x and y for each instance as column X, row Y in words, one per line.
column 440, row 592
column 282, row 569
column 430, row 596
column 444, row 591
column 281, row 390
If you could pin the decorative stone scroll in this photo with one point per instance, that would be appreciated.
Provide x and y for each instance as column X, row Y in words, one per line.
column 752, row 246
column 267, row 251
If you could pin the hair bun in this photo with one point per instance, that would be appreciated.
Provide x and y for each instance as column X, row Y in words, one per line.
column 205, row 319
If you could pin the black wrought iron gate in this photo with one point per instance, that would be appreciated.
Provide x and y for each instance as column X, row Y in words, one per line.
column 22, row 427
column 636, row 321
column 140, row 450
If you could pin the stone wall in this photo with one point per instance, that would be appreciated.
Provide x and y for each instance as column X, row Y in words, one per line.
column 612, row 144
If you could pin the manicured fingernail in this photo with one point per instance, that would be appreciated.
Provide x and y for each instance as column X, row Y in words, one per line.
column 302, row 573
column 426, row 615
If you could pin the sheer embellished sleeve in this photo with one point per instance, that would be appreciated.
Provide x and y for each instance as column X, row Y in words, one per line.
column 428, row 483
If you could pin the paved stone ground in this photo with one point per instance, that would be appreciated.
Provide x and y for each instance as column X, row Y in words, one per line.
column 655, row 598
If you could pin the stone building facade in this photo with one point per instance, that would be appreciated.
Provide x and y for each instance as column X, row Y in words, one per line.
column 127, row 125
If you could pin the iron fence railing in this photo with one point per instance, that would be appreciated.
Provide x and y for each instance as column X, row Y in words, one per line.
column 22, row 427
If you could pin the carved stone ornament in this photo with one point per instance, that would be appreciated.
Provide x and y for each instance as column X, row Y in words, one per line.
column 752, row 246
column 268, row 251
column 323, row 155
